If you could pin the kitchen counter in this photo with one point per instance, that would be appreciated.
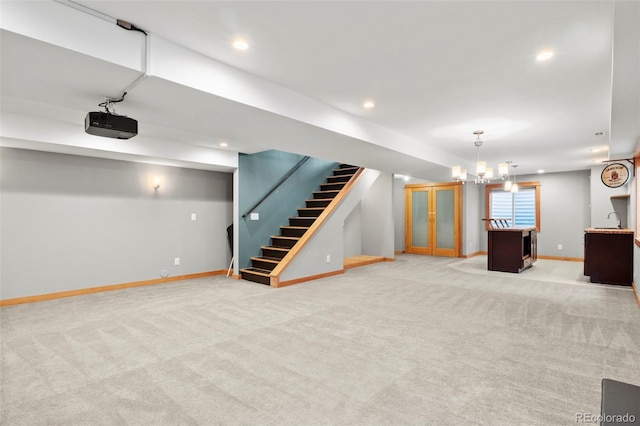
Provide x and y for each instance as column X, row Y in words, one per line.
column 608, row 231
column 513, row 229
column 608, row 255
column 511, row 249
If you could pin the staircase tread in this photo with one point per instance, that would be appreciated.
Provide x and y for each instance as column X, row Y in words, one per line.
column 256, row 271
column 328, row 190
column 274, row 248
column 266, row 259
column 340, row 180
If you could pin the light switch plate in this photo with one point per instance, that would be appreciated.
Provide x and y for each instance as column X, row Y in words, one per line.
column 255, row 216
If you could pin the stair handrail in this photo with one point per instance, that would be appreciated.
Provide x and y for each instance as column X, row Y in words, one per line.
column 282, row 180
column 328, row 211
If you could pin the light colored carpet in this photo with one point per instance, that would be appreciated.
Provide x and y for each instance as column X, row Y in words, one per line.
column 542, row 270
column 417, row 341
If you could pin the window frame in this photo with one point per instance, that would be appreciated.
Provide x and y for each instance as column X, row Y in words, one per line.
column 487, row 200
column 636, row 168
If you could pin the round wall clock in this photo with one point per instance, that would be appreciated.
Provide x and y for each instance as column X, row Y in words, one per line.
column 615, row 175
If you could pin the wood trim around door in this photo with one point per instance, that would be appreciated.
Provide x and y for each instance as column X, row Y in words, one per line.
column 432, row 188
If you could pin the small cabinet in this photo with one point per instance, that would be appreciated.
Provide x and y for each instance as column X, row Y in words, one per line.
column 512, row 249
column 608, row 256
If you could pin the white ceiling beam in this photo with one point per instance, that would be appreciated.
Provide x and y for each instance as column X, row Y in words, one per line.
column 67, row 27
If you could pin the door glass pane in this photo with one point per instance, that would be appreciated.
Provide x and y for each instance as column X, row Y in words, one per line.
column 419, row 229
column 445, row 219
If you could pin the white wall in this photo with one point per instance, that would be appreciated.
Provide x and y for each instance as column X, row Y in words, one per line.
column 377, row 218
column 564, row 215
column 602, row 204
column 70, row 222
column 352, row 232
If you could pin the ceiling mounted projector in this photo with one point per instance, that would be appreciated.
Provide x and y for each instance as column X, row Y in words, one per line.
column 110, row 125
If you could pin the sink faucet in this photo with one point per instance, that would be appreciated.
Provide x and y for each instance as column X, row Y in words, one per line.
column 617, row 217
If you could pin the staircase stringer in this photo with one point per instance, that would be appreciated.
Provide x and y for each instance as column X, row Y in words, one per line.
column 317, row 224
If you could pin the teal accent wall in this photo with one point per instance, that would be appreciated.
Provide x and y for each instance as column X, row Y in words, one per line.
column 257, row 175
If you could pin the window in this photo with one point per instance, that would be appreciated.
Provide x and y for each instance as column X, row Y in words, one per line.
column 521, row 209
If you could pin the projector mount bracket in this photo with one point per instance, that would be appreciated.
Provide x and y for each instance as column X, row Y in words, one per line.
column 108, row 106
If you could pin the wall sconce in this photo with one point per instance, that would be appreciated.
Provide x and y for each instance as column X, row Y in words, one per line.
column 156, row 183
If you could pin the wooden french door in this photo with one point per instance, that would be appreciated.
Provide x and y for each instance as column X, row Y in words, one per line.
column 433, row 219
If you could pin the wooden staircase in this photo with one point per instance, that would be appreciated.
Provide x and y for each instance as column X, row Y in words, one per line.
column 262, row 266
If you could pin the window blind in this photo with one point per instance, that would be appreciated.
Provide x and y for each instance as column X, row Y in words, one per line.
column 519, row 207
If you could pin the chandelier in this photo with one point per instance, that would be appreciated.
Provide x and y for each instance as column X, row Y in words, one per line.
column 512, row 186
column 484, row 174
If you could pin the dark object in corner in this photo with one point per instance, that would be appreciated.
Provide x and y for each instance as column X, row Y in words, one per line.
column 620, row 403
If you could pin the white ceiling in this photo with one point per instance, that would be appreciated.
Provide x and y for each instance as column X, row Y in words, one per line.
column 437, row 70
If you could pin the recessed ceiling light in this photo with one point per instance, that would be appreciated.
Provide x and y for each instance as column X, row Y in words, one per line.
column 540, row 170
column 241, row 44
column 600, row 149
column 224, row 144
column 369, row 104
column 544, row 55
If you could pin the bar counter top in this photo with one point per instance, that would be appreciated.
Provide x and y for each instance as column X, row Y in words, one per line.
column 512, row 229
column 608, row 231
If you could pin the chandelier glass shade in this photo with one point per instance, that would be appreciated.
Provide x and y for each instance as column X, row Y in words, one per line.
column 509, row 185
column 484, row 174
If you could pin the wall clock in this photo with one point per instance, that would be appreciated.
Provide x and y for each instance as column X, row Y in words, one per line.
column 615, row 175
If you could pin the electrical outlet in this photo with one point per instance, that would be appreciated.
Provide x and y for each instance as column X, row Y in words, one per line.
column 255, row 216
column 176, row 261
column 328, row 258
column 559, row 246
column 193, row 216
